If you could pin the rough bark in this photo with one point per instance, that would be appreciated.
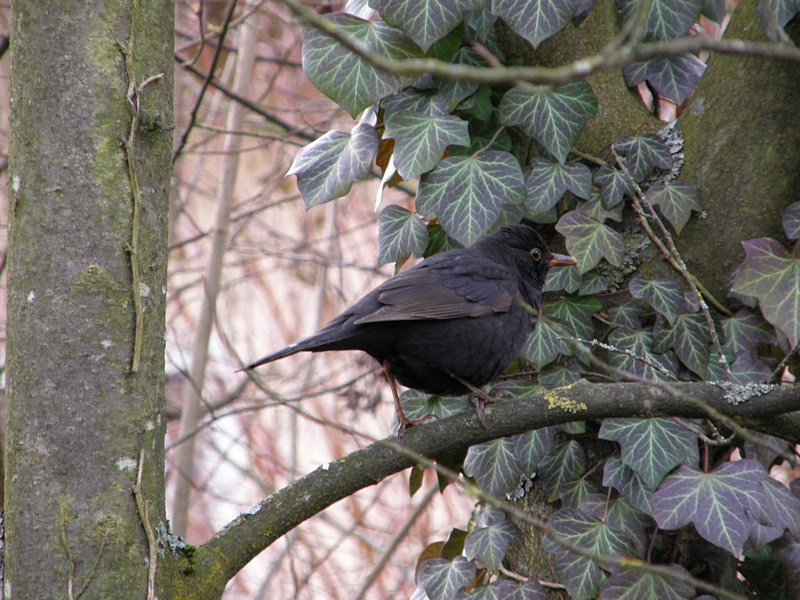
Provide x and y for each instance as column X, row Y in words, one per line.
column 77, row 417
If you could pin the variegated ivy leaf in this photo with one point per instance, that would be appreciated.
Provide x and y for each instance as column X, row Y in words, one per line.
column 630, row 584
column 563, row 278
column 424, row 21
column 345, row 77
column 745, row 330
column 494, row 466
column 421, row 139
column 488, row 544
column 557, row 376
column 591, row 284
column 401, row 233
column 664, row 295
column 326, row 167
column 564, row 462
column 549, row 181
column 674, row 77
column 428, row 102
column 644, row 153
column 791, row 221
column 784, row 11
column 531, row 447
column 589, row 240
column 553, row 117
column 544, row 344
column 619, row 513
column 689, row 337
column 746, row 368
column 627, row 315
column 644, row 363
column 466, row 193
column 677, row 200
column 772, row 275
column 441, row 579
column 481, row 22
column 595, row 209
column 667, row 18
column 535, row 20
column 628, row 483
column 456, row 90
column 614, row 185
column 575, row 312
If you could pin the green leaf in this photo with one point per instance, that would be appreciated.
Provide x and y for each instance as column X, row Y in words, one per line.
column 595, row 208
column 640, row 343
column 326, row 167
column 345, row 77
column 674, row 77
column 591, row 284
column 416, row 405
column 627, row 316
column 619, row 513
column 573, row 492
column 400, row 234
column 553, row 117
column 441, row 579
column 677, row 201
column 633, row 584
column 439, row 241
column 614, row 185
column 791, row 221
column 745, row 330
column 455, row 90
column 643, row 154
column 664, row 295
column 421, row 139
column 531, row 447
column 466, row 193
column 575, row 312
column 544, row 344
column 689, row 337
column 494, row 466
column 558, row 376
column 534, row 20
column 488, row 544
column 549, row 181
column 562, row 278
column 667, row 18
column 628, row 483
column 415, row 479
column 426, row 102
column 564, row 462
column 651, row 447
column 589, row 240
column 772, row 275
column 422, row 20
column 714, row 10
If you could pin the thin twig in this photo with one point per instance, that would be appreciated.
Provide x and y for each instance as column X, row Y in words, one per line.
column 62, row 522
column 152, row 544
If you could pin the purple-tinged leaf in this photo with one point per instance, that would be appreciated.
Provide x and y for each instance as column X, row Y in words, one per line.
column 534, row 20
column 583, row 577
column 488, row 544
column 784, row 11
column 549, row 181
column 544, row 344
column 627, row 316
column 575, row 312
column 345, row 77
column 643, row 154
column 517, row 388
column 716, row 502
column 619, row 513
column 614, row 185
column 674, row 77
column 441, row 579
column 745, row 330
column 494, row 466
column 530, row 590
column 627, row 483
column 565, row 461
column 495, row 590
column 416, row 404
column 557, row 376
column 591, row 284
column 791, row 221
column 456, row 90
column 772, row 275
column 634, row 584
column 553, row 117
column 425, row 102
column 531, row 447
column 562, row 278
column 787, row 552
column 466, row 193
column 664, row 295
column 677, row 200
column 652, row 447
column 689, row 337
column 640, row 344
column 595, row 209
column 765, row 448
column 401, row 233
column 589, row 240
column 667, row 18
column 424, row 22
column 326, row 167
column 746, row 368
column 573, row 492
column 779, row 509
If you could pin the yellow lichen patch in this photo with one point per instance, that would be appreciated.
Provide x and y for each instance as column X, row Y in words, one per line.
column 554, row 400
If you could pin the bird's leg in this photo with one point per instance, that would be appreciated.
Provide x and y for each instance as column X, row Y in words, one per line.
column 481, row 398
column 401, row 416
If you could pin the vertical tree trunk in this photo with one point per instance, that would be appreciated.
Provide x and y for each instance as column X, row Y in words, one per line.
column 79, row 411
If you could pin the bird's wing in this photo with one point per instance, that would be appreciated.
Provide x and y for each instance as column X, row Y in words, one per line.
column 458, row 286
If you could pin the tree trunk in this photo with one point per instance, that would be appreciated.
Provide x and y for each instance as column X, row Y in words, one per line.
column 79, row 409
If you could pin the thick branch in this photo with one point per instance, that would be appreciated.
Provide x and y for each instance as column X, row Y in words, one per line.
column 233, row 547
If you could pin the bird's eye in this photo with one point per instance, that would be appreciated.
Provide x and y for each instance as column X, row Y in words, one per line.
column 536, row 254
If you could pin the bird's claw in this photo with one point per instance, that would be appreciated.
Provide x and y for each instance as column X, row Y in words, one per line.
column 406, row 423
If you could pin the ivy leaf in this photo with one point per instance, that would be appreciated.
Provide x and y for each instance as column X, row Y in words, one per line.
column 667, row 19
column 746, row 368
column 714, row 10
column 580, row 574
column 772, row 275
column 573, row 492
column 651, row 447
column 640, row 343
column 745, row 330
column 595, row 209
column 557, row 376
column 423, row 21
column 553, row 117
column 627, row 316
column 494, row 466
column 517, row 388
column 456, row 90
column 575, row 312
column 614, row 185
column 589, row 240
column 562, row 278
column 549, row 181
column 481, row 22
column 427, row 102
column 326, row 167
column 791, row 221
column 400, row 234
column 780, row 507
column 441, row 579
column 439, row 241
column 628, row 483
column 677, row 201
column 531, row 447
column 618, row 513
column 716, row 502
column 421, row 139
column 416, row 404
column 544, row 344
column 643, row 154
column 564, row 462
column 591, row 284
column 674, row 77
column 466, row 193
column 534, row 20
column 633, row 584
column 664, row 295
column 488, row 544
column 345, row 77
column 689, row 337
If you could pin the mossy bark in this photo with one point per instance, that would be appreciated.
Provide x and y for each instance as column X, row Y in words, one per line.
column 77, row 418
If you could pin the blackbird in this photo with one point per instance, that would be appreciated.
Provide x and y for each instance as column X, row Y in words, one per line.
column 452, row 323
